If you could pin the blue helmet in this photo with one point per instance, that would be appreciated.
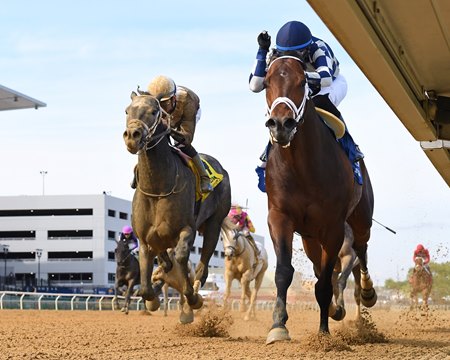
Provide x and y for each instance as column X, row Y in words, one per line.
column 293, row 35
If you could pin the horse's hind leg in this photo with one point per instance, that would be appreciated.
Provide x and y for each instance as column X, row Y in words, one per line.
column 357, row 293
column 211, row 233
column 368, row 294
column 347, row 259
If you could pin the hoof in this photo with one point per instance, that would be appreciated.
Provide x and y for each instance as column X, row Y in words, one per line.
column 198, row 304
column 339, row 314
column 368, row 297
column 186, row 318
column 152, row 305
column 277, row 334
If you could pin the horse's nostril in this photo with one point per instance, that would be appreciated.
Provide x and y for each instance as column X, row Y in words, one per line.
column 289, row 124
column 270, row 123
column 136, row 134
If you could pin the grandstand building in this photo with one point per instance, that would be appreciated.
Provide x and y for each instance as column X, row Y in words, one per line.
column 68, row 240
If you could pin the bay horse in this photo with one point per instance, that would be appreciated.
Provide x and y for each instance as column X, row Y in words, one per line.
column 174, row 278
column 165, row 211
column 421, row 283
column 242, row 264
column 311, row 190
column 127, row 273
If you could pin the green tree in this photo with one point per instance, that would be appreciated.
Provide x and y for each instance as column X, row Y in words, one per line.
column 441, row 281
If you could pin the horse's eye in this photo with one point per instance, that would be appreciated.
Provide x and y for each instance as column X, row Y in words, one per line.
column 303, row 83
column 154, row 112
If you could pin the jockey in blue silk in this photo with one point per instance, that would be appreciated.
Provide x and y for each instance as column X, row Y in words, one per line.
column 327, row 86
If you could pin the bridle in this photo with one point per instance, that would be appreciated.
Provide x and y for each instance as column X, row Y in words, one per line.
column 297, row 111
column 236, row 236
column 149, row 131
column 122, row 262
column 148, row 137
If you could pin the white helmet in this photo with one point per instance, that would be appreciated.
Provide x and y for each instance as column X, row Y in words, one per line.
column 162, row 88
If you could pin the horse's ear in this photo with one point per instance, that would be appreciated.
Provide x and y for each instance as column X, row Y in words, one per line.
column 133, row 95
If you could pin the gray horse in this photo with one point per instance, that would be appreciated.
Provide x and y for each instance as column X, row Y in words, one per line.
column 166, row 213
column 127, row 273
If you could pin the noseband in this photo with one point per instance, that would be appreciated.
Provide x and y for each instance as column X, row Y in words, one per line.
column 297, row 111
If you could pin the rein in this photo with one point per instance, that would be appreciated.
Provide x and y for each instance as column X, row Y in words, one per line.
column 166, row 194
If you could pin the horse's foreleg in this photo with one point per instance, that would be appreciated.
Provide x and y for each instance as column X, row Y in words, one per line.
column 182, row 252
column 258, row 281
column 146, row 258
column 245, row 289
column 116, row 294
column 228, row 282
column 130, row 286
column 282, row 236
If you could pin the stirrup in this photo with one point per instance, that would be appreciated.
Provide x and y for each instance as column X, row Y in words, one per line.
column 205, row 187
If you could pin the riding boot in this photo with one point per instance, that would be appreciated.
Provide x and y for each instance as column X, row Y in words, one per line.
column 261, row 178
column 133, row 183
column 351, row 149
column 205, row 182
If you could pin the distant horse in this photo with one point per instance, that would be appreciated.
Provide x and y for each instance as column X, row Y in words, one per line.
column 127, row 273
column 241, row 263
column 175, row 279
column 311, row 190
column 347, row 262
column 421, row 282
column 165, row 211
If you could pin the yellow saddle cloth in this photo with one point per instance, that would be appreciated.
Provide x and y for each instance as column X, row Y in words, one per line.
column 333, row 122
column 214, row 177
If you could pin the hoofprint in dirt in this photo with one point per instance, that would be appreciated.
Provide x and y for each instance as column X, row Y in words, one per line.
column 396, row 334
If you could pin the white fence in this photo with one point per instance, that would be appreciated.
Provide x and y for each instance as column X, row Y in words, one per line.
column 49, row 301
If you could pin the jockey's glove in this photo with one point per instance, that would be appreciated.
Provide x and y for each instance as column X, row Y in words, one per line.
column 264, row 40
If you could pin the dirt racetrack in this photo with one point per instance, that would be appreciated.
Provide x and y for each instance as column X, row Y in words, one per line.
column 387, row 334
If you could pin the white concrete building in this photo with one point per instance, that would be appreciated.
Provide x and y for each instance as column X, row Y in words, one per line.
column 74, row 234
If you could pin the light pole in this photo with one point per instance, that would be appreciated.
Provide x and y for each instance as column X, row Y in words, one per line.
column 43, row 173
column 5, row 254
column 39, row 254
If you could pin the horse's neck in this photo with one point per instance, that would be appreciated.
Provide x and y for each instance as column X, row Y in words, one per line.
column 312, row 143
column 157, row 167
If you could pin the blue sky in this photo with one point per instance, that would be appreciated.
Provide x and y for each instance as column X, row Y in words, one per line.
column 84, row 58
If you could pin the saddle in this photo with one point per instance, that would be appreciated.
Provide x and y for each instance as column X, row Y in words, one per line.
column 215, row 177
column 333, row 122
